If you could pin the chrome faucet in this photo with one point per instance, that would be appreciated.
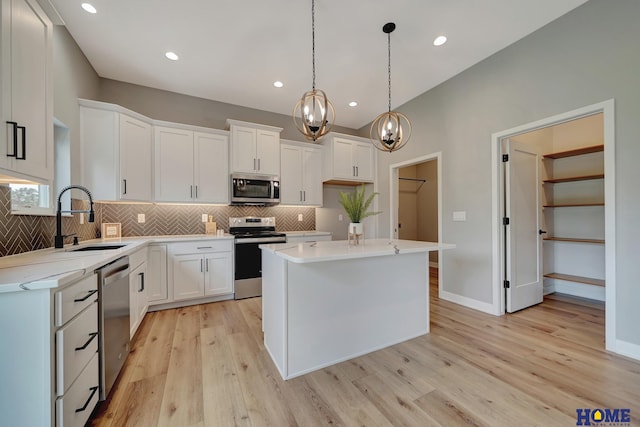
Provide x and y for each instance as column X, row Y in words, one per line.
column 59, row 239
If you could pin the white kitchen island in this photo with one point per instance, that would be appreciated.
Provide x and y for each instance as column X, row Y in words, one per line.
column 326, row 302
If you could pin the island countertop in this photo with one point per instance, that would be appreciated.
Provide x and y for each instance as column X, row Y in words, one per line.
column 335, row 250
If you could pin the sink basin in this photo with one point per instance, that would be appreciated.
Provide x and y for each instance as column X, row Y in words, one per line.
column 97, row 248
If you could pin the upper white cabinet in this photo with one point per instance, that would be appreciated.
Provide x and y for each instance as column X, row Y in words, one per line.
column 116, row 152
column 26, row 109
column 191, row 166
column 348, row 158
column 301, row 174
column 254, row 148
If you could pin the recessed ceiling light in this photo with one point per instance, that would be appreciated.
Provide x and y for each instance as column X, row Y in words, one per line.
column 278, row 83
column 89, row 7
column 171, row 55
column 440, row 40
column 353, row 104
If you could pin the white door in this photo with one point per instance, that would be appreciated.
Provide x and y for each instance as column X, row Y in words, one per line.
column 243, row 150
column 135, row 159
column 211, row 173
column 188, row 276
column 523, row 242
column 363, row 161
column 268, row 152
column 291, row 175
column 174, row 165
column 218, row 277
column 312, row 176
column 343, row 166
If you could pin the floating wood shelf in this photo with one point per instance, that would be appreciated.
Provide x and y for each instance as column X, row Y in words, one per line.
column 568, row 239
column 573, row 205
column 577, row 152
column 574, row 178
column 577, row 279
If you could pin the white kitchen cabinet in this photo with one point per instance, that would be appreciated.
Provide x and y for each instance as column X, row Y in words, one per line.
column 191, row 166
column 301, row 174
column 138, row 298
column 26, row 78
column 254, row 148
column 156, row 283
column 49, row 360
column 348, row 158
column 116, row 152
column 201, row 269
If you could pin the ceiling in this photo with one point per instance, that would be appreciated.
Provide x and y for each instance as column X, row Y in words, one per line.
column 232, row 51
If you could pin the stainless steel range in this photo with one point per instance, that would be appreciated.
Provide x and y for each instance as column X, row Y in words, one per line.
column 250, row 233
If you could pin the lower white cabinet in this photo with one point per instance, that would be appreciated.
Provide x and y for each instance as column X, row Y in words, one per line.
column 49, row 359
column 138, row 299
column 201, row 269
column 156, row 283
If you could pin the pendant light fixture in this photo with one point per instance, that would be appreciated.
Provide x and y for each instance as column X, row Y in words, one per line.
column 313, row 114
column 390, row 131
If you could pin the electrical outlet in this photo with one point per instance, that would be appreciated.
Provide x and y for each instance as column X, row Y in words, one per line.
column 339, row 217
column 141, row 219
column 299, row 217
column 205, row 217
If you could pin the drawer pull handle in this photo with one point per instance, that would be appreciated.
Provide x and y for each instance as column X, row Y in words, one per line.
column 205, row 247
column 93, row 392
column 87, row 297
column 92, row 335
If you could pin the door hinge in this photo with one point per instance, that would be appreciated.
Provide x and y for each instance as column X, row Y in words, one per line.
column 505, row 157
column 507, row 284
column 505, row 220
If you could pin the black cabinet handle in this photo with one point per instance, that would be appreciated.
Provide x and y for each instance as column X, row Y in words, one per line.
column 124, row 181
column 141, row 282
column 92, row 335
column 24, row 143
column 87, row 297
column 542, row 232
column 93, row 391
column 15, row 139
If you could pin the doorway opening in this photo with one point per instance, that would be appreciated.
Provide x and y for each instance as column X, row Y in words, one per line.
column 416, row 200
column 554, row 211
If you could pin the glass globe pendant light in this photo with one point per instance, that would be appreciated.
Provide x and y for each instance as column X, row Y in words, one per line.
column 391, row 130
column 313, row 114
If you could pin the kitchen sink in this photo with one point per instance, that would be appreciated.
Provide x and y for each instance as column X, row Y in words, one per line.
column 97, row 248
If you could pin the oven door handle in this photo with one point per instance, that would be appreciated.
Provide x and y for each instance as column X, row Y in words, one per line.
column 261, row 240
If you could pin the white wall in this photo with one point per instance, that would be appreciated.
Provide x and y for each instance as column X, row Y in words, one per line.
column 587, row 56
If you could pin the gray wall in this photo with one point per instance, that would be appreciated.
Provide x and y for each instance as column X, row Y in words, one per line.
column 174, row 107
column 73, row 78
column 585, row 57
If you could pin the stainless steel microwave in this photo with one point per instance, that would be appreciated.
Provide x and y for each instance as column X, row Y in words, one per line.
column 249, row 189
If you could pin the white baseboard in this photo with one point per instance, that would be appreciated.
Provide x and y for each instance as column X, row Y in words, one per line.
column 627, row 349
column 468, row 302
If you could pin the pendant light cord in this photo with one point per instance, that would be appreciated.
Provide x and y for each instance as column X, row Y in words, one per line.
column 389, row 51
column 313, row 42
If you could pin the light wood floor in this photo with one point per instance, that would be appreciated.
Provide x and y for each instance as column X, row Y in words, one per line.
column 206, row 366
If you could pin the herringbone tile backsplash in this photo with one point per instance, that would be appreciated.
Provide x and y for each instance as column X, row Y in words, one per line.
column 22, row 233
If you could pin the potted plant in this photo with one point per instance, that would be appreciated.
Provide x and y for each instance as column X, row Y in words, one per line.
column 356, row 204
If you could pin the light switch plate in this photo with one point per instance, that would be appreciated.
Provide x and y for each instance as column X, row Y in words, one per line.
column 460, row 216
column 299, row 217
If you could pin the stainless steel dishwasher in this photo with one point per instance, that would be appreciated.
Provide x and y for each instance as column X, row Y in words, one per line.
column 113, row 308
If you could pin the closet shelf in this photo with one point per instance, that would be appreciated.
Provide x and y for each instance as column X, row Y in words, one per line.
column 573, row 205
column 569, row 239
column 573, row 178
column 577, row 279
column 576, row 152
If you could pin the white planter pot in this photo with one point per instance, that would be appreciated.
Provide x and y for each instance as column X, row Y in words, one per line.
column 356, row 228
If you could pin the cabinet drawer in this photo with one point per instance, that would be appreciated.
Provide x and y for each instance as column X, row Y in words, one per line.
column 75, row 298
column 74, row 408
column 201, row 247
column 137, row 258
column 76, row 344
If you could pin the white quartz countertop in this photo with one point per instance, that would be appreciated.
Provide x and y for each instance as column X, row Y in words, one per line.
column 307, row 233
column 50, row 268
column 337, row 250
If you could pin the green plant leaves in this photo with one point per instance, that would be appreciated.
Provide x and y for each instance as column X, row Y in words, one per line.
column 356, row 205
